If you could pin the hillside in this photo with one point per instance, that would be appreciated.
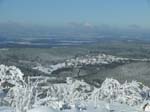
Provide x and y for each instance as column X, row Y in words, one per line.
column 71, row 95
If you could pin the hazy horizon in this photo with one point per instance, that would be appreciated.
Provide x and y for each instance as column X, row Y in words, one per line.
column 120, row 13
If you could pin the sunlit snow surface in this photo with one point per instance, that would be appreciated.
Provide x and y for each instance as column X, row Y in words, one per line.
column 114, row 107
column 6, row 109
column 72, row 96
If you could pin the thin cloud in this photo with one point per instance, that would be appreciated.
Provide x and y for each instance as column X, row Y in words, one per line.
column 84, row 24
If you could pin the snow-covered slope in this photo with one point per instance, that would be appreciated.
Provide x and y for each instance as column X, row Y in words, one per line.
column 80, row 61
column 71, row 96
column 100, row 59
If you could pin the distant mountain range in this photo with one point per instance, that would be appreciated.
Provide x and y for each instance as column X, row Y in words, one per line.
column 14, row 34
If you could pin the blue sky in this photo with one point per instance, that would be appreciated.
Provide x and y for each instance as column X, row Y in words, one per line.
column 61, row 12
